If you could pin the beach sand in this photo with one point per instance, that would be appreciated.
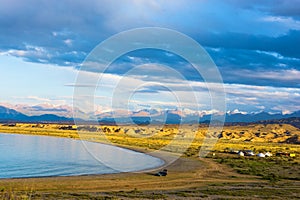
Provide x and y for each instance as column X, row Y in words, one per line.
column 188, row 174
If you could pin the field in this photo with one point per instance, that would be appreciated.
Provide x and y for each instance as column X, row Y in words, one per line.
column 220, row 175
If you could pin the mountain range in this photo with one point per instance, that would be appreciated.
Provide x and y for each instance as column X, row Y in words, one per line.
column 143, row 117
column 8, row 115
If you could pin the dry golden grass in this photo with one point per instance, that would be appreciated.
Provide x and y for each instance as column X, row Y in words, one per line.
column 271, row 137
column 190, row 176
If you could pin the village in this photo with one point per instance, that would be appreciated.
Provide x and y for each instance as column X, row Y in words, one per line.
column 243, row 153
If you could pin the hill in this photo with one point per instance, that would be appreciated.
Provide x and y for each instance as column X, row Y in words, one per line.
column 8, row 115
column 278, row 133
column 295, row 121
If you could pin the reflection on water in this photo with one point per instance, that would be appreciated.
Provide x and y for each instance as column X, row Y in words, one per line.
column 35, row 156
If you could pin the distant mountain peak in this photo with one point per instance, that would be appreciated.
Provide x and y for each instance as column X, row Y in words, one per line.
column 52, row 113
column 236, row 111
column 8, row 115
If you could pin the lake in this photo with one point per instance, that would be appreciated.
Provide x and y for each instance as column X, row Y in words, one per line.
column 41, row 156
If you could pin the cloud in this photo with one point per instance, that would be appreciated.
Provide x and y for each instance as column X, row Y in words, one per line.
column 252, row 59
column 256, row 67
column 243, row 97
column 282, row 76
column 55, row 101
column 236, row 66
column 38, row 98
column 274, row 7
column 80, row 85
column 83, row 24
column 68, row 42
column 254, row 43
column 278, row 78
column 286, row 21
column 262, row 97
column 286, row 8
column 283, row 44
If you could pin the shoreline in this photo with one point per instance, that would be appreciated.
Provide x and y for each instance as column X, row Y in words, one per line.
column 188, row 176
column 164, row 158
column 144, row 179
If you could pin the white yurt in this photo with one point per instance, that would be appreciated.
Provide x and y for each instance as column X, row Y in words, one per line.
column 261, row 155
column 240, row 153
column 268, row 154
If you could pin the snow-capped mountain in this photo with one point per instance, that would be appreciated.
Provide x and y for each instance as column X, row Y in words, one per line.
column 48, row 112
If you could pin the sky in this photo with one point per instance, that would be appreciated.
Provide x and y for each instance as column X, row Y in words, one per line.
column 254, row 44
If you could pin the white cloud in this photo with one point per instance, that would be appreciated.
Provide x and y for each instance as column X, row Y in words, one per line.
column 274, row 54
column 236, row 111
column 38, row 98
column 68, row 42
column 286, row 21
column 32, row 52
column 283, row 75
column 276, row 76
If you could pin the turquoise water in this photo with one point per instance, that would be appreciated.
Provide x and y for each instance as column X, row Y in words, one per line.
column 40, row 156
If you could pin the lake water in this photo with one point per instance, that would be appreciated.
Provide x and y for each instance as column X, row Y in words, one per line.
column 38, row 156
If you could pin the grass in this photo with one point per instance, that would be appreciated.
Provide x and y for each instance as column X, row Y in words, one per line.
column 151, row 137
column 8, row 194
column 220, row 176
column 273, row 169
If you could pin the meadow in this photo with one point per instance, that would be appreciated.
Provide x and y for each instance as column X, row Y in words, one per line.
column 220, row 175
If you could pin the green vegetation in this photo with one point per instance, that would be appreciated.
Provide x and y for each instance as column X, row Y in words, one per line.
column 273, row 169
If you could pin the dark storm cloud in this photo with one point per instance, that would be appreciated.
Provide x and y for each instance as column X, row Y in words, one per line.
column 285, row 45
column 274, row 7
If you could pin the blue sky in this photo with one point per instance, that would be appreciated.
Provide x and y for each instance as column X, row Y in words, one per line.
column 254, row 43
